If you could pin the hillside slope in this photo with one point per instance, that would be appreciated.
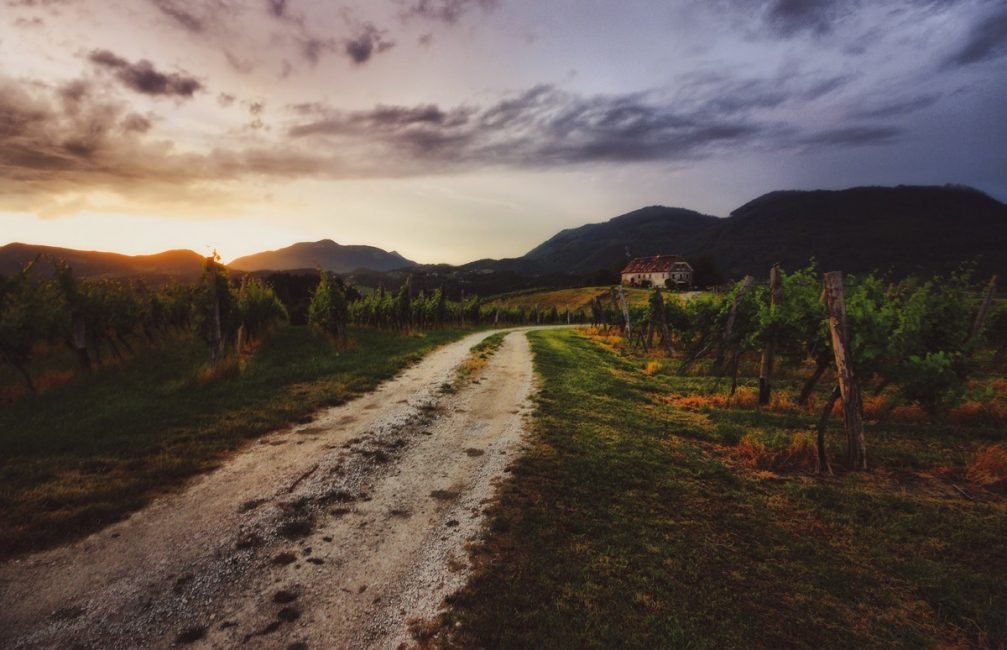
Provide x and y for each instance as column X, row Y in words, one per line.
column 177, row 263
column 905, row 230
column 325, row 254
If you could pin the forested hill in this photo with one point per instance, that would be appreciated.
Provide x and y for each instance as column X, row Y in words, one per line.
column 325, row 254
column 175, row 263
column 906, row 230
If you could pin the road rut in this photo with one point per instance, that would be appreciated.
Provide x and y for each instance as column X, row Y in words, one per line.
column 329, row 534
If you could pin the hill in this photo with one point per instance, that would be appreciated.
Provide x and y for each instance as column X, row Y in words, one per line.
column 173, row 263
column 325, row 254
column 649, row 231
column 906, row 230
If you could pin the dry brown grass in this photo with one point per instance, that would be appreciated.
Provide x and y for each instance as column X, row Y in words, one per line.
column 989, row 467
column 799, row 454
column 651, row 368
column 43, row 382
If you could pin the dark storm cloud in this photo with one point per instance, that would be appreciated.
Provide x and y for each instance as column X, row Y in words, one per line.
column 448, row 11
column 368, row 41
column 143, row 78
column 541, row 126
column 987, row 39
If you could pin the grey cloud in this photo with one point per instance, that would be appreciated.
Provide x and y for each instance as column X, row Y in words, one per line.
column 987, row 39
column 788, row 17
column 855, row 136
column 541, row 126
column 897, row 108
column 278, row 8
column 143, row 78
column 225, row 99
column 29, row 22
column 178, row 12
column 546, row 126
column 448, row 11
column 49, row 147
column 368, row 41
column 243, row 66
column 136, row 123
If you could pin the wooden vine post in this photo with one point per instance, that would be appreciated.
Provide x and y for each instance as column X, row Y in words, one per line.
column 662, row 320
column 718, row 362
column 619, row 300
column 984, row 309
column 766, row 372
column 853, row 408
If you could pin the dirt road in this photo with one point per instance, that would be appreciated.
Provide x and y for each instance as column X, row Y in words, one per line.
column 330, row 534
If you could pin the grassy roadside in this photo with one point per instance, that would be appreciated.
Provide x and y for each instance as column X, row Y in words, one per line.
column 630, row 524
column 88, row 452
column 479, row 356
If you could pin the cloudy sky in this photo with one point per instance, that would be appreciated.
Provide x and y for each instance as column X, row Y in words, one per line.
column 452, row 130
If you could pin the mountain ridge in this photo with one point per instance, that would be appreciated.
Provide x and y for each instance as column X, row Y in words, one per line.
column 904, row 229
column 324, row 253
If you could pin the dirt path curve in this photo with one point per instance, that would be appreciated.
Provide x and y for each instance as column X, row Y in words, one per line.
column 330, row 534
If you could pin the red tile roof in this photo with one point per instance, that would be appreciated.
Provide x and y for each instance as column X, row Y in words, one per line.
column 656, row 264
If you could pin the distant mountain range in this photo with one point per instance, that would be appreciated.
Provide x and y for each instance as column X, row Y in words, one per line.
column 904, row 230
column 325, row 254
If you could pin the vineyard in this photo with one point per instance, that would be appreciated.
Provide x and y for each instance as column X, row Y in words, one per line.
column 909, row 344
column 104, row 320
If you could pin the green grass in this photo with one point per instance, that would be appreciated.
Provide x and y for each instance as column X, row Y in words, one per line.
column 479, row 356
column 85, row 453
column 628, row 524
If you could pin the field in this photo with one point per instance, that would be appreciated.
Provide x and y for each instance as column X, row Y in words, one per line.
column 650, row 513
column 87, row 452
column 572, row 299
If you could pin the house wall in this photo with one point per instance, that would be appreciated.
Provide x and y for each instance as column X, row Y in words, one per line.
column 657, row 279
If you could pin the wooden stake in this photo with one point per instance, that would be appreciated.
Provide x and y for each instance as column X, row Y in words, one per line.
column 853, row 408
column 625, row 313
column 984, row 309
column 766, row 372
column 718, row 362
column 823, row 422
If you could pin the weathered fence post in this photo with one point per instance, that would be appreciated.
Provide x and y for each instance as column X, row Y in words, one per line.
column 718, row 362
column 766, row 372
column 853, row 409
